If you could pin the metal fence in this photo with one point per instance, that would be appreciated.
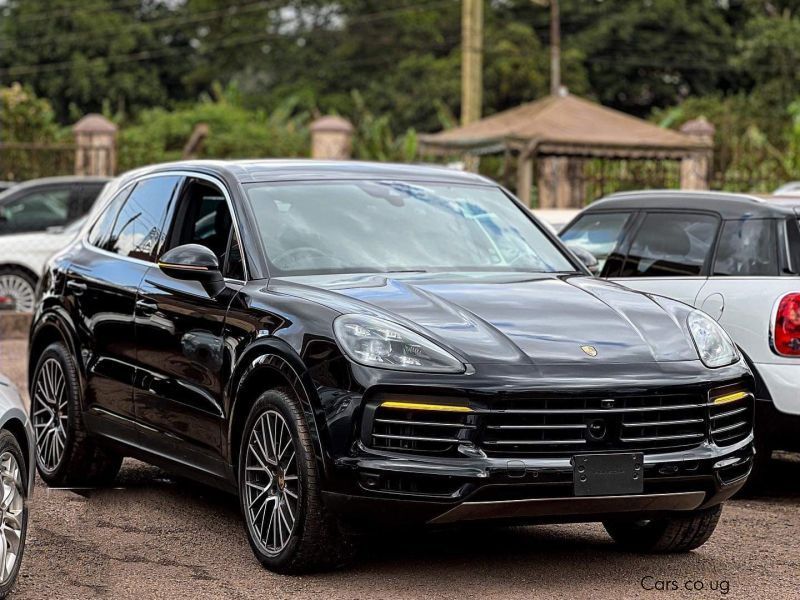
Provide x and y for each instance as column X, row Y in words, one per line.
column 20, row 161
column 593, row 178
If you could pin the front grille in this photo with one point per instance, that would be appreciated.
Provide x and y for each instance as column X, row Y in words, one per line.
column 563, row 425
column 423, row 431
column 731, row 422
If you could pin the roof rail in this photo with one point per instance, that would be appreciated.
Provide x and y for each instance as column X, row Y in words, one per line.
column 738, row 195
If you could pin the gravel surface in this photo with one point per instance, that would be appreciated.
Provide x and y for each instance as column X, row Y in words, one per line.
column 157, row 537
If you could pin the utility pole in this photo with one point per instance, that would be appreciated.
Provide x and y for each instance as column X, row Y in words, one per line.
column 471, row 60
column 555, row 48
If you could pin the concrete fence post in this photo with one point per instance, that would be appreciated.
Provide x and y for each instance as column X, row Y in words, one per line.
column 696, row 166
column 331, row 138
column 95, row 146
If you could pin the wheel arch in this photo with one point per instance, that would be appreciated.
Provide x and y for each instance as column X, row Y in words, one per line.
column 14, row 423
column 23, row 268
column 52, row 326
column 266, row 365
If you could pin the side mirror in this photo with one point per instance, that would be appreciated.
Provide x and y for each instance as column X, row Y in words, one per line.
column 193, row 262
column 587, row 258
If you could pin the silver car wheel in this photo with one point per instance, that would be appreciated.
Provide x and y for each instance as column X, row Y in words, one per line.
column 272, row 486
column 50, row 414
column 18, row 288
column 12, row 507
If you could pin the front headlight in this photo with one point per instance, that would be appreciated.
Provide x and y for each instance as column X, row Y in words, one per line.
column 713, row 345
column 376, row 342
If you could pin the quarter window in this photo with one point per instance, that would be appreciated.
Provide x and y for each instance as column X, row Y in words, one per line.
column 101, row 230
column 747, row 248
column 137, row 229
column 671, row 245
column 599, row 233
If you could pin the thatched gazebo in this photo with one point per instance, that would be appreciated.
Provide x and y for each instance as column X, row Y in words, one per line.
column 559, row 133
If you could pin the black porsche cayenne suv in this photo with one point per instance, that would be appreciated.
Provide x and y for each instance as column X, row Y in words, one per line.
column 345, row 344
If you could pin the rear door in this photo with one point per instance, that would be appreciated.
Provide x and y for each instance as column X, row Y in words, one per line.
column 753, row 268
column 668, row 254
column 101, row 290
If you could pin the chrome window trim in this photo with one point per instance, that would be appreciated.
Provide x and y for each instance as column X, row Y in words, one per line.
column 172, row 173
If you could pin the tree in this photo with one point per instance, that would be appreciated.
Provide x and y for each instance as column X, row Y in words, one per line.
column 82, row 56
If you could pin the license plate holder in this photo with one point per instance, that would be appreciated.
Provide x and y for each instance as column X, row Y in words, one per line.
column 608, row 474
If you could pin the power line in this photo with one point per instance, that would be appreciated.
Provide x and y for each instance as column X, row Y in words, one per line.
column 229, row 42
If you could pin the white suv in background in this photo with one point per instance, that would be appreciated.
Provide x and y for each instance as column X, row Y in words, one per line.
column 735, row 256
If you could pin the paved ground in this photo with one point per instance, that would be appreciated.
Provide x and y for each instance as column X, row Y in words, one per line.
column 154, row 537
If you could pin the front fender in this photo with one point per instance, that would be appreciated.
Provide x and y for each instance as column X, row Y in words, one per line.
column 274, row 360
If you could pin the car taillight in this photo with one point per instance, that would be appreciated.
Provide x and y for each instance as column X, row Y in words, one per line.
column 786, row 337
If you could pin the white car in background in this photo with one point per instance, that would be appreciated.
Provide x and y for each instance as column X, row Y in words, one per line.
column 735, row 256
column 22, row 258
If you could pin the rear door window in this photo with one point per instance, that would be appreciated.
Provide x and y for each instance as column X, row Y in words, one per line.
column 599, row 233
column 747, row 248
column 671, row 245
column 138, row 227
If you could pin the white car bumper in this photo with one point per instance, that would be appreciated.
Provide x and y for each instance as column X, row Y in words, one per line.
column 783, row 383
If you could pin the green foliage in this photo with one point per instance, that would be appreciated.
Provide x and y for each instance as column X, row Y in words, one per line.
column 80, row 54
column 234, row 132
column 392, row 67
column 24, row 117
column 374, row 140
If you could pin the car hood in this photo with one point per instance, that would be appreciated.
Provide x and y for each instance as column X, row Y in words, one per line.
column 513, row 318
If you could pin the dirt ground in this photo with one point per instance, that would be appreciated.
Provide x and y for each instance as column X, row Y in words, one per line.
column 153, row 536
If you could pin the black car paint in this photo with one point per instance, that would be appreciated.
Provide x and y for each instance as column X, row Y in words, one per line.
column 169, row 371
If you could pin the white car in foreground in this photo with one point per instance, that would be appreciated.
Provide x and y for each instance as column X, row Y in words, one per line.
column 17, row 445
column 22, row 258
column 735, row 256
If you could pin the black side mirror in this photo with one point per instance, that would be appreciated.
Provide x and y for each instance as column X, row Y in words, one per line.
column 587, row 258
column 193, row 262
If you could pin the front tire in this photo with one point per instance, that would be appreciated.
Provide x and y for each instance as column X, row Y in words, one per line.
column 678, row 533
column 287, row 525
column 14, row 509
column 65, row 453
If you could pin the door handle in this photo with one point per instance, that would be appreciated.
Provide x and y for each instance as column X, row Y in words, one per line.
column 146, row 307
column 76, row 286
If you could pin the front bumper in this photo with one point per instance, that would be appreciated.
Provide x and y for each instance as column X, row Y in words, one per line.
column 386, row 487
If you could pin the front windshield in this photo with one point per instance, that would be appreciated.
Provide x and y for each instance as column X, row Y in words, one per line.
column 392, row 226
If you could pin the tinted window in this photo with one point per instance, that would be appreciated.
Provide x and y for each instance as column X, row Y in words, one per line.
column 386, row 226
column 747, row 248
column 235, row 265
column 599, row 233
column 138, row 226
column 671, row 245
column 101, row 230
column 203, row 218
column 39, row 209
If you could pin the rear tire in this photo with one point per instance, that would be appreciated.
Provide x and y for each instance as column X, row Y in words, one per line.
column 678, row 533
column 65, row 453
column 287, row 524
column 19, row 285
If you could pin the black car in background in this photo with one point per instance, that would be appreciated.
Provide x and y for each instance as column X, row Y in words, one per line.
column 39, row 204
column 344, row 344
